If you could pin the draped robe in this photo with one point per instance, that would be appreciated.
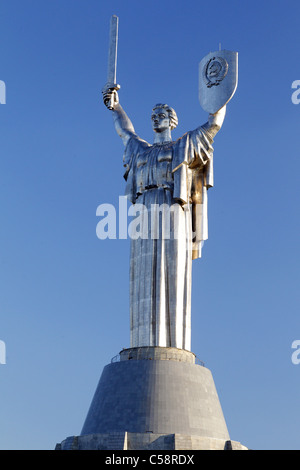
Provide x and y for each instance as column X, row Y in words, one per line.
column 174, row 177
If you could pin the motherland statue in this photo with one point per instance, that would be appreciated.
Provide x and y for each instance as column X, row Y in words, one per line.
column 157, row 395
column 169, row 181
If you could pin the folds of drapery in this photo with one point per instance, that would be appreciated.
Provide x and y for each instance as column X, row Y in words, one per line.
column 192, row 167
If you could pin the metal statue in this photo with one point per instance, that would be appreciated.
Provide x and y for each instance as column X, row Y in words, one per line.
column 171, row 179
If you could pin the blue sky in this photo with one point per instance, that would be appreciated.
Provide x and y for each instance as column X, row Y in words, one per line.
column 63, row 292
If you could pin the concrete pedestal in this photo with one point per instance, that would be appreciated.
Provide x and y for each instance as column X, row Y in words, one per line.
column 154, row 398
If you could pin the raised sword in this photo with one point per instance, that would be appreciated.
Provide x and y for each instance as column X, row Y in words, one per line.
column 111, row 83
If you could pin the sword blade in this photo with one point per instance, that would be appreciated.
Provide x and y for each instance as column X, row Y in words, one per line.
column 112, row 51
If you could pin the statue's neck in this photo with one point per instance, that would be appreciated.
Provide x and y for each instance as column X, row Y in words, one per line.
column 161, row 137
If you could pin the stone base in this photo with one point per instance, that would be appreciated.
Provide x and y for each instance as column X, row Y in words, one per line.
column 146, row 441
column 154, row 398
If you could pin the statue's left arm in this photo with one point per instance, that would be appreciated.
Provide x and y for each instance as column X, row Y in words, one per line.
column 215, row 122
column 198, row 144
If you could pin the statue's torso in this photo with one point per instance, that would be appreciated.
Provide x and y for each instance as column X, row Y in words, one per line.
column 154, row 167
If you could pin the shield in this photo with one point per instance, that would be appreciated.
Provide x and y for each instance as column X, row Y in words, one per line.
column 218, row 78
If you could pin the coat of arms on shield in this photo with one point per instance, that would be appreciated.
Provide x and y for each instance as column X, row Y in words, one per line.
column 218, row 78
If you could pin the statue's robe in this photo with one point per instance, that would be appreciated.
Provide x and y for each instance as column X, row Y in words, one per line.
column 173, row 177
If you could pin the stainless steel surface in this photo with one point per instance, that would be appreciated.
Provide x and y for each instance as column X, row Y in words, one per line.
column 113, row 50
column 112, row 60
column 167, row 184
column 218, row 78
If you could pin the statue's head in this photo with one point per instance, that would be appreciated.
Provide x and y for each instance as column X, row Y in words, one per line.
column 163, row 117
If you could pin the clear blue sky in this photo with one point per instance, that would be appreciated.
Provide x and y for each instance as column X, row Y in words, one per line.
column 63, row 292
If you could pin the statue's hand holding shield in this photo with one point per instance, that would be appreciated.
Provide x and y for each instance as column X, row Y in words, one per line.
column 218, row 78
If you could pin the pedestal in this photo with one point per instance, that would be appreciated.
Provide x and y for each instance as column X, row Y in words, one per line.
column 154, row 398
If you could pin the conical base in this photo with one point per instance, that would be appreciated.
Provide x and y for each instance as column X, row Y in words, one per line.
column 154, row 398
column 160, row 396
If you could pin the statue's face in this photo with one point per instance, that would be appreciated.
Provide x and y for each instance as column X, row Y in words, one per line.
column 160, row 120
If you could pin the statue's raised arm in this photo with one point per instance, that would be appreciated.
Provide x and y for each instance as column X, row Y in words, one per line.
column 215, row 122
column 123, row 124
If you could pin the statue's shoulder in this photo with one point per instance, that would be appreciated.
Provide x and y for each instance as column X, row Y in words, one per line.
column 199, row 134
column 135, row 143
column 184, row 139
column 134, row 147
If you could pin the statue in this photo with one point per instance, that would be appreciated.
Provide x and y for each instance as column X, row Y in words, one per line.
column 175, row 176
column 153, row 395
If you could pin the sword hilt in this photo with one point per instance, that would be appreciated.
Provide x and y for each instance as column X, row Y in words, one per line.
column 109, row 87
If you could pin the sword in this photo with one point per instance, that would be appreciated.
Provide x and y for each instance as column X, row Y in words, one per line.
column 111, row 83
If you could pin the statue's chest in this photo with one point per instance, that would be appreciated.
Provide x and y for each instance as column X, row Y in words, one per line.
column 154, row 166
column 155, row 156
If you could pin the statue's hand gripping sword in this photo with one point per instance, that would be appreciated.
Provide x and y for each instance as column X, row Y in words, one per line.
column 111, row 84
